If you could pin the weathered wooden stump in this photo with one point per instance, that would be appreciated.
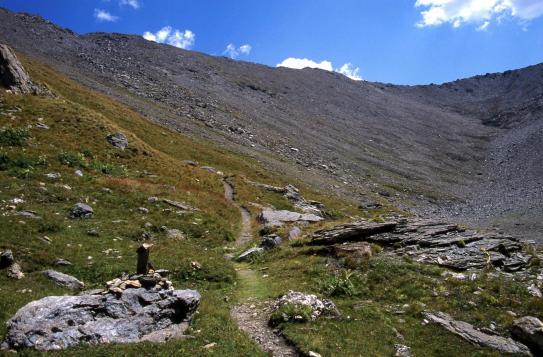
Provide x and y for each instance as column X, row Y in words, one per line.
column 143, row 258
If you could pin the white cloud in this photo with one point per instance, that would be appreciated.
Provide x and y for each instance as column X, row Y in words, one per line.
column 233, row 52
column 346, row 69
column 182, row 39
column 136, row 4
column 103, row 15
column 480, row 12
column 245, row 49
column 299, row 63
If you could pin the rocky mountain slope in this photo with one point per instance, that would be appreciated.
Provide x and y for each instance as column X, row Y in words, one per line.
column 470, row 148
column 119, row 236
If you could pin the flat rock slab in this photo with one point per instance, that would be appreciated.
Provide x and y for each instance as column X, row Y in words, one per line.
column 278, row 217
column 64, row 280
column 59, row 322
column 470, row 334
column 350, row 232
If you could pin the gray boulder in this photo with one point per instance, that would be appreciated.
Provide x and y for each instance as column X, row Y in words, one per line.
column 470, row 334
column 134, row 315
column 64, row 280
column 270, row 241
column 118, row 140
column 529, row 330
column 81, row 210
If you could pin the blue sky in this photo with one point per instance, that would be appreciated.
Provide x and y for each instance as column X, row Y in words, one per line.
column 397, row 41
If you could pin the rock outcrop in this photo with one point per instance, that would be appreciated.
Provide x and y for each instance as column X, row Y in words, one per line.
column 132, row 309
column 447, row 245
column 469, row 333
column 13, row 75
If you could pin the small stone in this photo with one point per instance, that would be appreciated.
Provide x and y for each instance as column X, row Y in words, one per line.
column 210, row 345
column 249, row 253
column 118, row 140
column 53, row 175
column 78, row 173
column 195, row 265
column 143, row 210
column 93, row 232
column 81, row 210
column 535, row 291
column 174, row 234
column 63, row 262
column 153, row 199
column 15, row 271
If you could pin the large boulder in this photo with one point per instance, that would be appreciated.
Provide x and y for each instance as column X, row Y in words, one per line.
column 13, row 75
column 529, row 330
column 126, row 315
column 118, row 140
column 64, row 280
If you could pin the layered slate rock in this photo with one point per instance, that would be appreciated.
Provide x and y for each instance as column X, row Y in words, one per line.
column 471, row 334
column 272, row 217
column 132, row 309
column 13, row 76
column 447, row 245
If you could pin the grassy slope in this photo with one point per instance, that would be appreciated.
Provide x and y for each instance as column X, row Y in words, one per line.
column 152, row 166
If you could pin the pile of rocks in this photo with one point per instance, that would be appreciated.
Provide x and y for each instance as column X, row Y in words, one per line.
column 447, row 245
column 153, row 281
column 131, row 309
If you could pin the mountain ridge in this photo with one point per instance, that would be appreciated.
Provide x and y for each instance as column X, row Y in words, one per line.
column 422, row 146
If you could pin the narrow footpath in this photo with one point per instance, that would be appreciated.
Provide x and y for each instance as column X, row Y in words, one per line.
column 252, row 314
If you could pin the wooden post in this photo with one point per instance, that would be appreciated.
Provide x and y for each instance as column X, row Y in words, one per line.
column 143, row 258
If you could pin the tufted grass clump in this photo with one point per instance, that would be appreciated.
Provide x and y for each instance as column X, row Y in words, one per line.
column 13, row 136
column 290, row 313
